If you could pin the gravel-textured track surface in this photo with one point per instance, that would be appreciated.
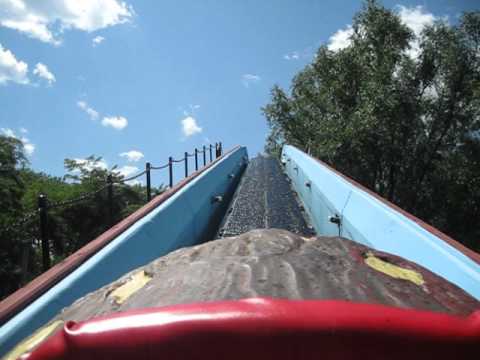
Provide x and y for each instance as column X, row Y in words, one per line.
column 264, row 200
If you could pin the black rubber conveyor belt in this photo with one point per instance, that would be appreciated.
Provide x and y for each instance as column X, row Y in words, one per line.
column 264, row 199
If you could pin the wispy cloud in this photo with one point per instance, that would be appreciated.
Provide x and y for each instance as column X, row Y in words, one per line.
column 294, row 55
column 92, row 113
column 46, row 20
column 28, row 146
column 132, row 155
column 12, row 69
column 190, row 126
column 116, row 122
column 248, row 79
column 97, row 40
column 192, row 109
column 341, row 39
column 42, row 71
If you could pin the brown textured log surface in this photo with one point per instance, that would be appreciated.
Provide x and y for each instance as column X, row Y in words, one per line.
column 276, row 263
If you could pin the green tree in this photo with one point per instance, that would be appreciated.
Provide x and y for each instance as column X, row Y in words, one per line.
column 78, row 210
column 12, row 189
column 403, row 123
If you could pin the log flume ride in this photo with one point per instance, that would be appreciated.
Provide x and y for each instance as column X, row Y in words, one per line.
column 258, row 259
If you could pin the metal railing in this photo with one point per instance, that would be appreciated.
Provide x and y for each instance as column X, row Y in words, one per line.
column 44, row 205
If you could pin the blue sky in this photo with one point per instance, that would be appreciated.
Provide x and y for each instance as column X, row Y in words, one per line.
column 157, row 78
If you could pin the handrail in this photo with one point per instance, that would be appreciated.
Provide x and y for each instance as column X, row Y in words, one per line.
column 44, row 205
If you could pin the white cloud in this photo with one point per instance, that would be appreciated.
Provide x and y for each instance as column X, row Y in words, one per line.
column 132, row 155
column 8, row 132
column 248, row 79
column 97, row 40
column 341, row 39
column 92, row 113
column 415, row 18
column 12, row 69
column 127, row 171
column 42, row 71
column 294, row 55
column 28, row 146
column 91, row 164
column 190, row 126
column 116, row 122
column 45, row 20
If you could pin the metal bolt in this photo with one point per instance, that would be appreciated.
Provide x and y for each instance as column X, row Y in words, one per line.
column 217, row 198
column 335, row 219
column 308, row 184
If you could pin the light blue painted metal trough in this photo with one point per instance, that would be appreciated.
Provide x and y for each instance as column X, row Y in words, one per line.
column 373, row 221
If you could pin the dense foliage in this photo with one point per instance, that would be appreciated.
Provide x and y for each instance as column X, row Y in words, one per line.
column 69, row 226
column 397, row 112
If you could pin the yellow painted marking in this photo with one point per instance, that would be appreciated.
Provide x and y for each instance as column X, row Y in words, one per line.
column 394, row 271
column 32, row 341
column 135, row 283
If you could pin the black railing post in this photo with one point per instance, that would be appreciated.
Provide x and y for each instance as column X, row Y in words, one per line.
column 216, row 150
column 204, row 156
column 186, row 164
column 170, row 171
column 210, row 152
column 149, row 189
column 42, row 206
column 110, row 199
column 196, row 159
column 220, row 150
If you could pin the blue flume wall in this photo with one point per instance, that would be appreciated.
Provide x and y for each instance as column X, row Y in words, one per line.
column 185, row 219
column 369, row 221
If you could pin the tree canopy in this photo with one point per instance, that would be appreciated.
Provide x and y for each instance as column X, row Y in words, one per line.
column 71, row 224
column 397, row 112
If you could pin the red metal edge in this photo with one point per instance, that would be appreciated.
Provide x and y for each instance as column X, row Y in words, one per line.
column 35, row 288
column 262, row 328
column 454, row 243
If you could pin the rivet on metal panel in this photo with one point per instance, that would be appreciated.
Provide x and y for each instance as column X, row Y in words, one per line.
column 335, row 219
column 308, row 184
column 217, row 198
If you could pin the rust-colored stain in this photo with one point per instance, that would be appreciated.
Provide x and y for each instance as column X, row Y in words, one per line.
column 394, row 271
column 32, row 341
column 135, row 283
